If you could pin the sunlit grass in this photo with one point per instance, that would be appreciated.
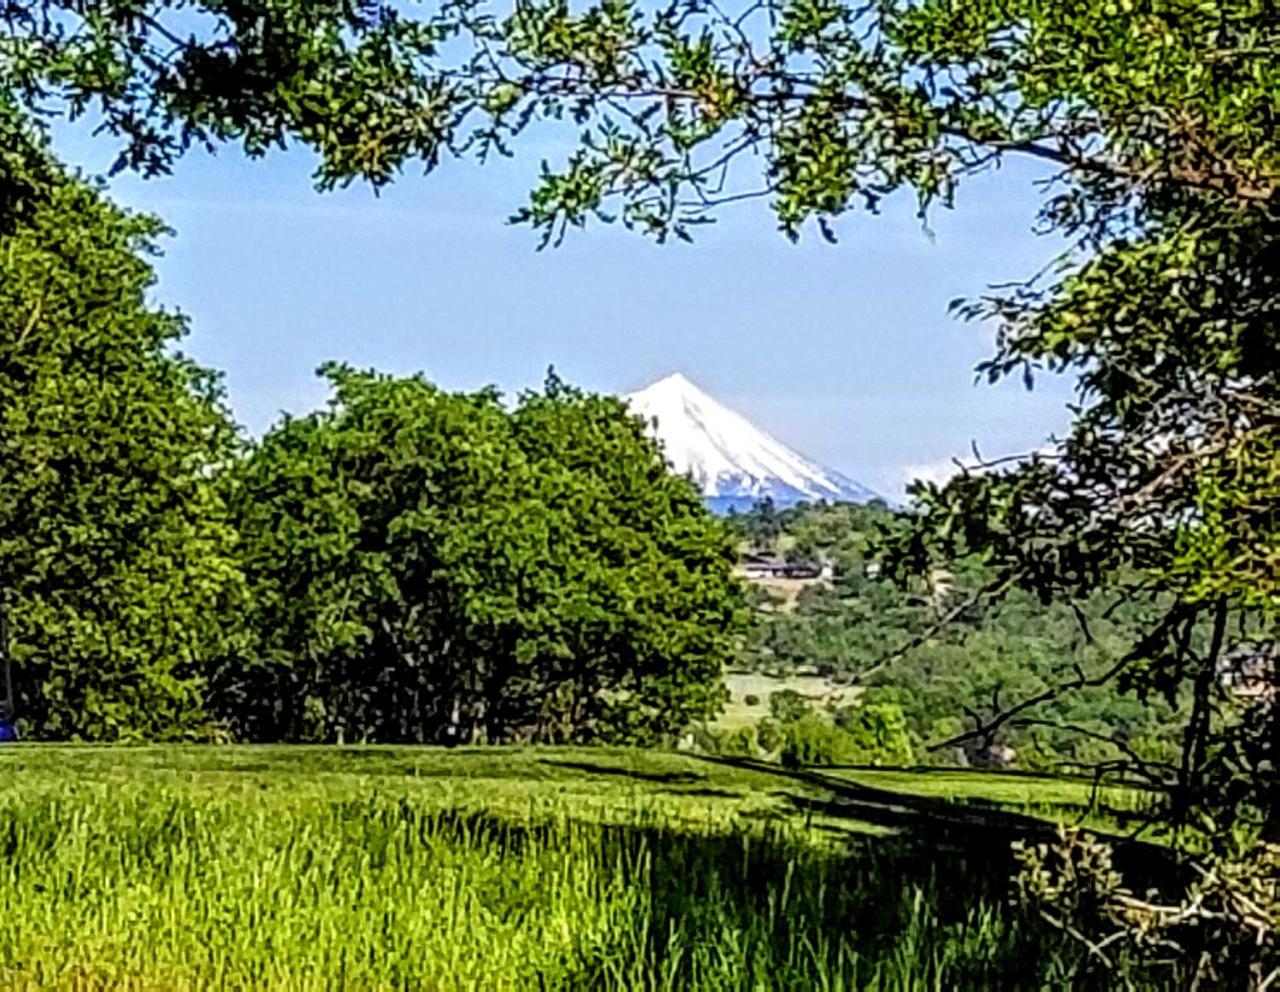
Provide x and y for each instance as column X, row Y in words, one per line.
column 281, row 868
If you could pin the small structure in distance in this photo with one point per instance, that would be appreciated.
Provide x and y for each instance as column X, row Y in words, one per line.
column 763, row 566
column 1248, row 673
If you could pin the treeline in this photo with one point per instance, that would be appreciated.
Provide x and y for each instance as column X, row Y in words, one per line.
column 946, row 656
column 416, row 565
column 405, row 565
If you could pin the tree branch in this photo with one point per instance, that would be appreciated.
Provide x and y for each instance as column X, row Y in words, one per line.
column 1141, row 650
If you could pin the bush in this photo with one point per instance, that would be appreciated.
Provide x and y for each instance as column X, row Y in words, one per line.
column 878, row 732
column 741, row 742
column 751, row 699
column 704, row 740
column 787, row 705
column 770, row 735
column 812, row 741
column 871, row 734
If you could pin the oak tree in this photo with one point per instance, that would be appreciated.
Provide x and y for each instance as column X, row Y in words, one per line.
column 424, row 563
column 116, row 560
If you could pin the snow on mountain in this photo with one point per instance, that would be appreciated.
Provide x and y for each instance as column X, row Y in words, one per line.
column 732, row 461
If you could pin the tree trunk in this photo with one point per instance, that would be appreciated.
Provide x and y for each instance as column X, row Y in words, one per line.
column 1271, row 775
column 1195, row 740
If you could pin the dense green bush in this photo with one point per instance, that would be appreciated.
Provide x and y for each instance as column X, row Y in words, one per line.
column 787, row 705
column 869, row 734
column 879, row 731
column 812, row 740
column 771, row 735
column 739, row 742
column 424, row 563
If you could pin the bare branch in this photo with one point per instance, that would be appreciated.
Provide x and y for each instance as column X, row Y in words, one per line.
column 1143, row 649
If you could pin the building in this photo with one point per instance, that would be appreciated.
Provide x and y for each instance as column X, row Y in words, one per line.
column 1248, row 671
column 765, row 566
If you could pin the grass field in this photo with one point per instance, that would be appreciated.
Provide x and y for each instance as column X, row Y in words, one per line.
column 390, row 868
column 818, row 689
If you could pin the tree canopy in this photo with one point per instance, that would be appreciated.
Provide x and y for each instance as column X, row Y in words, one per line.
column 830, row 105
column 116, row 562
column 422, row 561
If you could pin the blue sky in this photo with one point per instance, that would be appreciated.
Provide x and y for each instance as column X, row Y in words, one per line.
column 846, row 352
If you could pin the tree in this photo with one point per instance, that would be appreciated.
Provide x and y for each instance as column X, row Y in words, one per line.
column 344, row 78
column 422, row 561
column 116, row 561
column 843, row 104
column 1158, row 118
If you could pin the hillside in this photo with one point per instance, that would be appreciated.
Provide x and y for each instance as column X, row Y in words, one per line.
column 938, row 653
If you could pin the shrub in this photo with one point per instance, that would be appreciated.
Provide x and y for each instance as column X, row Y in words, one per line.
column 811, row 740
column 740, row 742
column 787, row 705
column 878, row 732
column 751, row 699
column 703, row 739
column 770, row 735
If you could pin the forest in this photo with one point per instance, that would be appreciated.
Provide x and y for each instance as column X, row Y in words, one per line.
column 942, row 657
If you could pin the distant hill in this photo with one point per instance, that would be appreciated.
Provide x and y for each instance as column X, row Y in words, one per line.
column 732, row 461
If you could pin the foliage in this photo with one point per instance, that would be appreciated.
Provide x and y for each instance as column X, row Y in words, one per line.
column 868, row 734
column 1074, row 883
column 423, row 561
column 841, row 105
column 1165, row 311
column 952, row 659
column 417, row 562
column 739, row 742
column 163, row 76
column 811, row 740
column 787, row 705
column 879, row 731
column 842, row 533
column 116, row 562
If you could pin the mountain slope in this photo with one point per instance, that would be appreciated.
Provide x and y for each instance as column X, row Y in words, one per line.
column 732, row 461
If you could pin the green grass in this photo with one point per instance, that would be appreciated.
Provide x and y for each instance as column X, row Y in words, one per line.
column 299, row 868
column 1060, row 800
column 818, row 689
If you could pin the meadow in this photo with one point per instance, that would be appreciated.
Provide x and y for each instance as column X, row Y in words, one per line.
column 502, row 868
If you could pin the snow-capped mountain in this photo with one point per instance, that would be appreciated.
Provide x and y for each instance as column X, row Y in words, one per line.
column 733, row 462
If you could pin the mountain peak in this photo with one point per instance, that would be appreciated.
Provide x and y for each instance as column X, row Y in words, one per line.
column 732, row 461
column 675, row 382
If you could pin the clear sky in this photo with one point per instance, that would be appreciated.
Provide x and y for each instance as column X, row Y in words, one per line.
column 845, row 352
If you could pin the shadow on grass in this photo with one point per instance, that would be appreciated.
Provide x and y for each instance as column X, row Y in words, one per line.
column 959, row 823
column 760, row 909
column 956, row 824
column 593, row 768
